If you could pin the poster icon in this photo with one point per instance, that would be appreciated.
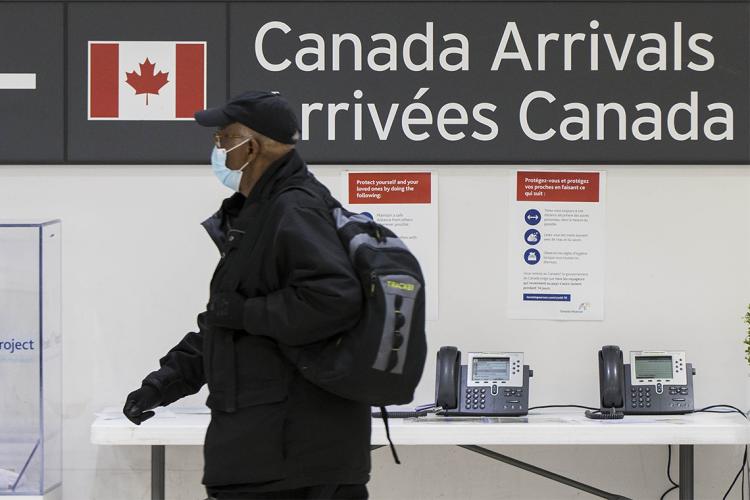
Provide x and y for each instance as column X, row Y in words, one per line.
column 532, row 237
column 532, row 217
column 532, row 256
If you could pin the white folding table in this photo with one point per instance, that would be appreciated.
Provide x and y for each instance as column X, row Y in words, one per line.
column 176, row 427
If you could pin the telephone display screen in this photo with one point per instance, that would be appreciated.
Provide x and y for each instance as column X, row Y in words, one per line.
column 486, row 369
column 653, row 367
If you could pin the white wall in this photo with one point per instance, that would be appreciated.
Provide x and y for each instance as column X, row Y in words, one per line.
column 136, row 271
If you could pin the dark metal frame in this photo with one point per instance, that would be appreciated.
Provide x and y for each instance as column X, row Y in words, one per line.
column 158, row 472
column 158, row 467
column 65, row 161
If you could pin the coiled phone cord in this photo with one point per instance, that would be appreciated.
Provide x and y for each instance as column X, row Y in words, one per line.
column 605, row 414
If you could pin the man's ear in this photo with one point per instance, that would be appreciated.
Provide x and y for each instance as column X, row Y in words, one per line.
column 253, row 151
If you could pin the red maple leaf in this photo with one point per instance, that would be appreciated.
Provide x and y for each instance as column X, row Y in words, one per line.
column 147, row 82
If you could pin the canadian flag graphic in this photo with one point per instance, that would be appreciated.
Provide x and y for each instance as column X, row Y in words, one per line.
column 146, row 80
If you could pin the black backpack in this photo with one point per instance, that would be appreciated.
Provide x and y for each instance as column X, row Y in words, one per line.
column 380, row 361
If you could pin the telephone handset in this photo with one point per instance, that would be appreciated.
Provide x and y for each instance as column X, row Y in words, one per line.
column 653, row 383
column 610, row 377
column 490, row 384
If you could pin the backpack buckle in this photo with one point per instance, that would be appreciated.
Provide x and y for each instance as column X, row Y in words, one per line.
column 377, row 232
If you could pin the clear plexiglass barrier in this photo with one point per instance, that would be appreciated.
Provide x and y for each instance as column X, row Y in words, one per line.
column 30, row 358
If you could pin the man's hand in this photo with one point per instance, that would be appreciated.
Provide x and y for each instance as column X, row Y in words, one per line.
column 139, row 402
column 226, row 310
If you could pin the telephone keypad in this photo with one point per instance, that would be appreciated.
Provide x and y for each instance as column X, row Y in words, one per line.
column 475, row 398
column 640, row 397
column 671, row 399
column 656, row 397
column 492, row 399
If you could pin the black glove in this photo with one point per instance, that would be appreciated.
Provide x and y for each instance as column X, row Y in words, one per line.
column 226, row 310
column 139, row 402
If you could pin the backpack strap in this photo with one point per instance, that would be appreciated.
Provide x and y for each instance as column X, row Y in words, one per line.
column 384, row 416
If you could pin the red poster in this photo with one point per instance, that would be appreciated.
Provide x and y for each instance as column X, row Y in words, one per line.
column 389, row 187
column 557, row 186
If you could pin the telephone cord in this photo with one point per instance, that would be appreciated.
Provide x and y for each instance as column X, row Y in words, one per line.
column 592, row 412
column 669, row 474
column 563, row 406
column 713, row 409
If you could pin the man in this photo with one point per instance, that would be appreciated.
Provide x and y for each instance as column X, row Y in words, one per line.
column 283, row 278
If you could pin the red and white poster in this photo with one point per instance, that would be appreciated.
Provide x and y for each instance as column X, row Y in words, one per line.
column 146, row 80
column 406, row 203
column 556, row 245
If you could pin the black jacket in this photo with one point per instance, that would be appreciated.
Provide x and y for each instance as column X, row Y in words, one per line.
column 271, row 429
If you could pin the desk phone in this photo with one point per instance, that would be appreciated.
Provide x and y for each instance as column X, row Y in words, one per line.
column 658, row 382
column 653, row 383
column 489, row 384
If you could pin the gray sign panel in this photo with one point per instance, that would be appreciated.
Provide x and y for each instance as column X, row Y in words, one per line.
column 382, row 82
column 139, row 59
column 511, row 82
column 31, row 82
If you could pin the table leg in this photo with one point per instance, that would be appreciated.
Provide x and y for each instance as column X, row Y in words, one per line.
column 543, row 472
column 686, row 472
column 158, row 458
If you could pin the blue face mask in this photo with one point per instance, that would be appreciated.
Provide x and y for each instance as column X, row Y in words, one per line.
column 230, row 178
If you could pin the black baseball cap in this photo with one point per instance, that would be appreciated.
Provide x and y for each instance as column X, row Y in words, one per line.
column 267, row 112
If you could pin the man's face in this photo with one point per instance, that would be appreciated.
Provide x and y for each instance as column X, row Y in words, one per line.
column 230, row 136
